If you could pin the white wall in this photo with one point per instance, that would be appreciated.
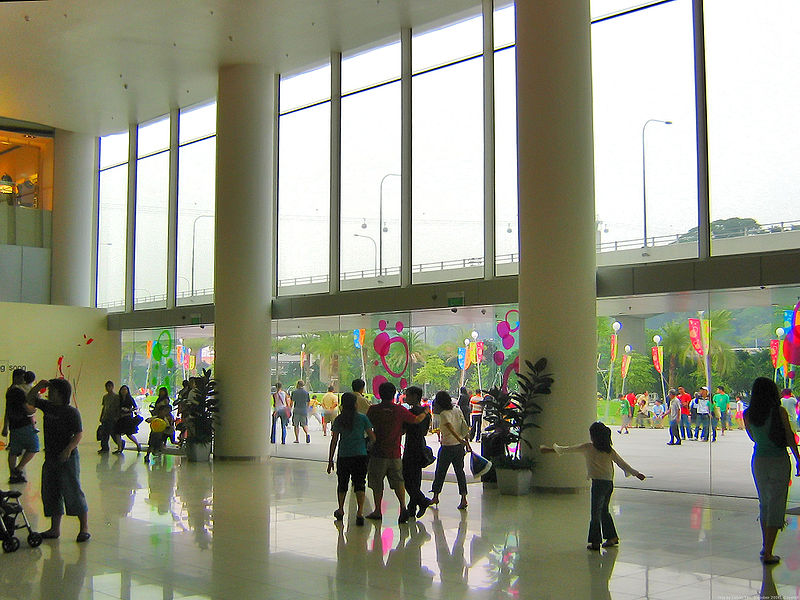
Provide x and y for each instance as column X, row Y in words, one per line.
column 35, row 336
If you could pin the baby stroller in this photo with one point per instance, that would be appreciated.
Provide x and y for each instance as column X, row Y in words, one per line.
column 10, row 508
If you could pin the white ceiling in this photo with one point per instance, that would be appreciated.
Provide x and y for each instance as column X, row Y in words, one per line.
column 96, row 65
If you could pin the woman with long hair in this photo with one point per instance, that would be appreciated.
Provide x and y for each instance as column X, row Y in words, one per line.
column 600, row 458
column 455, row 434
column 128, row 423
column 768, row 426
column 349, row 430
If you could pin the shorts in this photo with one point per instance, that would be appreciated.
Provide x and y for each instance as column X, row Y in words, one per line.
column 23, row 439
column 300, row 420
column 391, row 468
column 61, row 486
column 351, row 467
column 330, row 415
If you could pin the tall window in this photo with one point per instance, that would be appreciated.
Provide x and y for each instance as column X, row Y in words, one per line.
column 645, row 135
column 152, row 215
column 112, row 215
column 447, row 146
column 753, row 124
column 304, row 183
column 505, row 136
column 196, row 202
column 370, row 205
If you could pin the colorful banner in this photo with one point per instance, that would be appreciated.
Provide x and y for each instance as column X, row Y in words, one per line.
column 613, row 347
column 358, row 337
column 696, row 336
column 149, row 350
column 480, row 352
column 791, row 343
column 473, row 352
column 302, row 359
column 706, row 325
column 467, row 357
column 658, row 358
column 626, row 362
column 462, row 356
column 774, row 350
column 179, row 353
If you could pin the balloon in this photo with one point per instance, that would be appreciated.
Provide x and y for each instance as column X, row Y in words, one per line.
column 158, row 425
column 499, row 357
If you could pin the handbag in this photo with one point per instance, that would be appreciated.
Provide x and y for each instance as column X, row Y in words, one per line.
column 427, row 456
column 99, row 434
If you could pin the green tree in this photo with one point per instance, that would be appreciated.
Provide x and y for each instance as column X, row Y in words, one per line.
column 435, row 373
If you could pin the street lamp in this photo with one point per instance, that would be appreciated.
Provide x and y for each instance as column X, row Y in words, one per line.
column 194, row 234
column 381, row 227
column 644, row 173
column 657, row 341
column 366, row 237
column 474, row 336
column 628, row 349
column 302, row 360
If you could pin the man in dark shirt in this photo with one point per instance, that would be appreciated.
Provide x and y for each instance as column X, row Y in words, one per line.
column 413, row 456
column 23, row 441
column 463, row 403
column 387, row 420
column 61, row 486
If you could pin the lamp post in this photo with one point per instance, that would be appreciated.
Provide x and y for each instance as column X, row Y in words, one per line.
column 381, row 228
column 644, row 173
column 616, row 326
column 194, row 234
column 366, row 237
column 657, row 341
column 628, row 349
column 780, row 332
column 302, row 361
column 477, row 364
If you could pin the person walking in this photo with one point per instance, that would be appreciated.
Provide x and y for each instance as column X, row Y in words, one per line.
column 454, row 441
column 299, row 407
column 23, row 441
column 674, row 419
column 61, row 485
column 330, row 404
column 348, row 431
column 128, row 423
column 387, row 419
column 686, row 412
column 280, row 412
column 624, row 415
column 789, row 404
column 362, row 402
column 109, row 414
column 703, row 416
column 463, row 403
column 600, row 458
column 476, row 416
column 769, row 428
column 721, row 402
column 414, row 454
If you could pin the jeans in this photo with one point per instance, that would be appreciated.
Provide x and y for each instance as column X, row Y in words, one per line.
column 106, row 431
column 601, row 525
column 450, row 455
column 685, row 427
column 284, row 418
column 714, row 423
column 674, row 433
column 61, row 486
column 702, row 422
column 412, row 475
column 475, row 430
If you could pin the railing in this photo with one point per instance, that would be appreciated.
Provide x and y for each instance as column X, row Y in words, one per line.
column 478, row 261
column 687, row 238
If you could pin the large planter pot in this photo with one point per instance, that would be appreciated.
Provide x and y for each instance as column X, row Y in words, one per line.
column 198, row 452
column 514, row 482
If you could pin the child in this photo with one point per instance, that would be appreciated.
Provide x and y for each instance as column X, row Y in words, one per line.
column 158, row 439
column 600, row 457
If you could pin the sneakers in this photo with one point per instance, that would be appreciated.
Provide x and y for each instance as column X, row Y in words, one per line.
column 403, row 518
column 308, row 439
column 17, row 476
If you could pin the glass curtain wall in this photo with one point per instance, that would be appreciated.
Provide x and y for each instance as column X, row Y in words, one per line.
column 152, row 215
column 304, row 170
column 645, row 134
column 753, row 125
column 112, row 221
column 505, row 138
column 196, row 204
column 447, row 152
column 370, row 167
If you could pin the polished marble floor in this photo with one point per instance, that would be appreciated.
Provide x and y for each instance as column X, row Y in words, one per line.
column 241, row 531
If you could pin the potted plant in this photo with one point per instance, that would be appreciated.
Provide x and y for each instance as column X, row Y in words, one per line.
column 508, row 415
column 199, row 417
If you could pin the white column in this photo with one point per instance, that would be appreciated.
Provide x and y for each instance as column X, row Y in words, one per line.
column 73, row 218
column 242, row 260
column 556, row 214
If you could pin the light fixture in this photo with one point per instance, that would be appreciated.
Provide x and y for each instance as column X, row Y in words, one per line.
column 657, row 339
column 616, row 326
column 628, row 348
column 466, row 341
column 364, row 224
column 385, row 228
column 508, row 229
column 474, row 335
column 780, row 332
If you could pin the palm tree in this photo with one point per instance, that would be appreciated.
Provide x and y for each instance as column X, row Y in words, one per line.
column 331, row 346
column 677, row 347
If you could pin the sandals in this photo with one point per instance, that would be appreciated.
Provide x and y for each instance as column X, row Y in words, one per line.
column 83, row 536
column 462, row 506
column 611, row 543
column 338, row 514
column 374, row 515
column 772, row 560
